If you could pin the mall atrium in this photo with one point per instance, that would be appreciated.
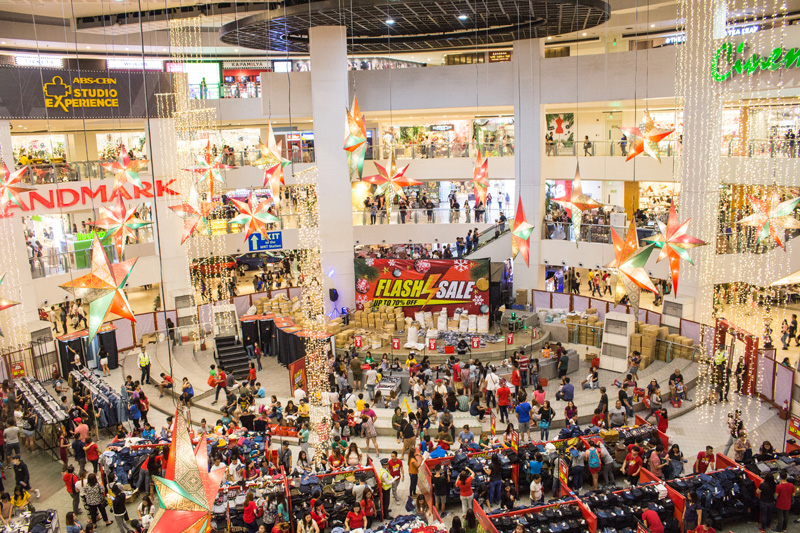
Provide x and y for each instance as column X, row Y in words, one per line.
column 379, row 265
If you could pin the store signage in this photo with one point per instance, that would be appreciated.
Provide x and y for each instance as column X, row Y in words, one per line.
column 729, row 32
column 509, row 338
column 60, row 94
column 297, row 374
column 499, row 57
column 794, row 427
column 35, row 60
column 357, row 341
column 134, row 64
column 395, row 343
column 90, row 236
column 65, row 196
column 18, row 369
column 247, row 64
column 272, row 240
column 725, row 64
column 476, row 343
column 432, row 345
column 442, row 127
column 424, row 284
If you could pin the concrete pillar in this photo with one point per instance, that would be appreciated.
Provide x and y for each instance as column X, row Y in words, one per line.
column 700, row 158
column 329, row 99
column 529, row 123
column 18, row 283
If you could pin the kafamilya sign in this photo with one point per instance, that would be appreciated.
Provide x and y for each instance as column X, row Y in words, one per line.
column 65, row 196
column 729, row 60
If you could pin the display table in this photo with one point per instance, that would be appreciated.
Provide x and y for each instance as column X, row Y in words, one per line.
column 106, row 338
column 558, row 332
column 548, row 368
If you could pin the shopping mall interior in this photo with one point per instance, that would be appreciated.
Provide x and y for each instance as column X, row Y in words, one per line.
column 447, row 232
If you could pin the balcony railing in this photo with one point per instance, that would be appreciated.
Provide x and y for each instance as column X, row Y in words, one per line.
column 437, row 215
column 439, row 150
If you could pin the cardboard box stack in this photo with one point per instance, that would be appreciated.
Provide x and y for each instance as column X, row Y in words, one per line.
column 649, row 335
column 586, row 329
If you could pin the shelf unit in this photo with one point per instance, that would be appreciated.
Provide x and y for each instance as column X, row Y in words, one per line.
column 618, row 328
column 674, row 310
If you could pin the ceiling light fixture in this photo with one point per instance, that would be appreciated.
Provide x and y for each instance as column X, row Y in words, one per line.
column 550, row 38
column 462, row 17
column 584, row 34
column 652, row 25
column 389, row 21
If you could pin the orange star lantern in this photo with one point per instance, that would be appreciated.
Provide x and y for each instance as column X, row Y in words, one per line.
column 390, row 182
column 209, row 169
column 577, row 203
column 772, row 217
column 120, row 223
column 273, row 163
column 125, row 170
column 102, row 288
column 254, row 216
column 355, row 143
column 480, row 179
column 645, row 138
column 187, row 491
column 629, row 261
column 194, row 213
column 10, row 187
column 521, row 234
column 674, row 243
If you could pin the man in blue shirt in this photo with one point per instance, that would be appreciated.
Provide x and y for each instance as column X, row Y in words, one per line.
column 466, row 437
column 567, row 392
column 523, row 411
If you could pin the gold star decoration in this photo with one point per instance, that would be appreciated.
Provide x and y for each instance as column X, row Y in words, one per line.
column 577, row 203
column 772, row 217
column 355, row 143
column 10, row 187
column 645, row 138
column 628, row 263
column 273, row 163
column 674, row 243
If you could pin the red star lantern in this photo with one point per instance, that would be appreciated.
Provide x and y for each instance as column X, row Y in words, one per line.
column 772, row 217
column 521, row 234
column 194, row 213
column 209, row 169
column 273, row 163
column 480, row 178
column 645, row 138
column 254, row 216
column 577, row 203
column 390, row 182
column 125, row 170
column 10, row 187
column 120, row 223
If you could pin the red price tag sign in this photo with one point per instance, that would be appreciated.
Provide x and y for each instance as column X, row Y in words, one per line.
column 535, row 333
column 395, row 343
column 432, row 344
column 509, row 338
column 476, row 342
column 357, row 341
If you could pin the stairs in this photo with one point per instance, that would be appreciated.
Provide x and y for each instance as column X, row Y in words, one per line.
column 232, row 357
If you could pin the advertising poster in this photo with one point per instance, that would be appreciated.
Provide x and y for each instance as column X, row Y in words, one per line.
column 794, row 427
column 561, row 126
column 423, row 284
column 297, row 374
column 18, row 369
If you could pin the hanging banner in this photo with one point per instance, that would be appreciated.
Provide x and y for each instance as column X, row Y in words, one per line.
column 432, row 345
column 424, row 284
column 492, row 423
column 476, row 343
column 509, row 338
column 357, row 340
column 395, row 343
column 794, row 427
column 563, row 476
column 18, row 369
column 63, row 94
column 297, row 375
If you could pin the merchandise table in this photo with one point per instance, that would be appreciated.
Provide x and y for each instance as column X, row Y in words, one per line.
column 228, row 509
column 47, row 519
column 47, row 409
column 426, row 471
column 109, row 407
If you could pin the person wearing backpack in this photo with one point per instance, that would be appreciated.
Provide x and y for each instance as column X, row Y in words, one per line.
column 594, row 464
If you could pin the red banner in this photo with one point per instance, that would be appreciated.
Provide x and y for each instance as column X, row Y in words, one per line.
column 509, row 338
column 395, row 343
column 297, row 375
column 357, row 340
column 424, row 284
column 18, row 369
column 794, row 427
column 476, row 343
column 432, row 344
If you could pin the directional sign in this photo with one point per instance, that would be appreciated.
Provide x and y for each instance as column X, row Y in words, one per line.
column 395, row 343
column 273, row 240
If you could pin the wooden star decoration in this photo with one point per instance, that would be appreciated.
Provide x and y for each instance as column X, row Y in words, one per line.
column 772, row 217
column 125, row 170
column 645, row 138
column 521, row 234
column 577, row 203
column 355, row 143
column 480, row 178
column 390, row 182
column 10, row 187
column 254, row 215
column 120, row 223
column 194, row 213
column 674, row 243
column 102, row 288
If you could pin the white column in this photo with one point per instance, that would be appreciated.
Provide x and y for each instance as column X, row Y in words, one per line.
column 329, row 99
column 700, row 159
column 530, row 184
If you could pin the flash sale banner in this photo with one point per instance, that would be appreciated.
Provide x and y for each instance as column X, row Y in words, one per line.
column 424, row 284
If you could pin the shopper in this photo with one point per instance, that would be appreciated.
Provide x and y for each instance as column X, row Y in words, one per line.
column 95, row 496
column 766, row 497
column 69, row 480
column 464, row 485
column 119, row 509
column 783, row 501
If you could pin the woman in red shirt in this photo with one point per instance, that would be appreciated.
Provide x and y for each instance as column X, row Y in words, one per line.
column 336, row 459
column 464, row 484
column 92, row 453
column 368, row 506
column 319, row 516
column 355, row 518
column 251, row 375
column 250, row 513
column 663, row 420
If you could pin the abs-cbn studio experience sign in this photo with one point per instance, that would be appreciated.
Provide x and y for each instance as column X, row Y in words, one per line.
column 63, row 94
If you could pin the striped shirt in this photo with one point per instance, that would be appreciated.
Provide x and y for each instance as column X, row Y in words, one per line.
column 523, row 363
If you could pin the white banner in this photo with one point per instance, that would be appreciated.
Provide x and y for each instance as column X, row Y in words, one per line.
column 247, row 64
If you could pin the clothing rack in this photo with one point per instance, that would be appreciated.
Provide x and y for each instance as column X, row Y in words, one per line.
column 110, row 408
column 48, row 411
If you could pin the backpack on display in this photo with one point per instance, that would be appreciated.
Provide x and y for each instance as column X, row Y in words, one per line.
column 594, row 460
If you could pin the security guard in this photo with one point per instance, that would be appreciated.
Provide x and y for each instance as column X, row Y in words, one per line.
column 386, row 481
column 144, row 366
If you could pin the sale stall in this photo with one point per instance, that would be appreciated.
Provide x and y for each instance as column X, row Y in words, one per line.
column 49, row 414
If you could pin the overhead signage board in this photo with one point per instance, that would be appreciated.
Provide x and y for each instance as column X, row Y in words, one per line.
column 36, row 60
column 134, row 64
column 729, row 61
column 66, row 94
column 247, row 64
column 442, row 127
column 272, row 240
column 499, row 56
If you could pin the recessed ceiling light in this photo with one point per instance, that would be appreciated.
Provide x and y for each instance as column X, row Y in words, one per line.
column 88, row 47
column 584, row 34
column 462, row 17
column 235, row 49
column 3, row 42
column 19, row 126
column 652, row 25
column 127, row 49
column 163, row 49
column 549, row 38
column 389, row 21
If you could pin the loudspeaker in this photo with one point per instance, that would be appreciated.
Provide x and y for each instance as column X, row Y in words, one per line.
column 334, row 294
